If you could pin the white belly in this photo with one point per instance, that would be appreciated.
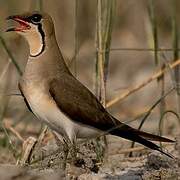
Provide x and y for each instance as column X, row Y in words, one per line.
column 47, row 111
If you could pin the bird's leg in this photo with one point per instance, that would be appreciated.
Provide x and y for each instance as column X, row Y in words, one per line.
column 65, row 153
column 73, row 151
column 63, row 144
column 101, row 148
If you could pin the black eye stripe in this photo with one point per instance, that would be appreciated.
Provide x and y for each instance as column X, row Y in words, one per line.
column 35, row 18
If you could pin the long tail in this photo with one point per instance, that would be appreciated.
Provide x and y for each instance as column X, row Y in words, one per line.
column 141, row 137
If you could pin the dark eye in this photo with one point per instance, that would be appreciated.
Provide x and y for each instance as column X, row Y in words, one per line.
column 36, row 18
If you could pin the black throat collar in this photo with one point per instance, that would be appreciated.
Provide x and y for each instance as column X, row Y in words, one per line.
column 39, row 26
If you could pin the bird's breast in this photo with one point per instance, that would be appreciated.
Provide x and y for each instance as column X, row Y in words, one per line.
column 46, row 110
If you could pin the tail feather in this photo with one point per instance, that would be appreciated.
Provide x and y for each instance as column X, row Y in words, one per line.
column 141, row 137
column 152, row 137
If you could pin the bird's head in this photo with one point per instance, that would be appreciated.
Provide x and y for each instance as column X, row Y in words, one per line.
column 36, row 27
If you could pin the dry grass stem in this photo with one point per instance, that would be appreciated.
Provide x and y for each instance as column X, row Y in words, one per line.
column 14, row 131
column 141, row 49
column 162, row 119
column 139, row 86
column 128, row 150
column 100, row 58
column 105, row 15
column 3, row 42
column 175, row 37
column 4, row 104
column 134, row 149
column 149, row 112
column 42, row 136
column 27, row 149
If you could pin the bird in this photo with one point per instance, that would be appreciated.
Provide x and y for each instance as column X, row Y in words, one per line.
column 57, row 98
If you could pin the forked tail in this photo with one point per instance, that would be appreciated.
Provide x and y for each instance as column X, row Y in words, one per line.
column 141, row 137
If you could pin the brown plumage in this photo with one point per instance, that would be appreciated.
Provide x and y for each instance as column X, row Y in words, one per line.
column 86, row 109
column 57, row 98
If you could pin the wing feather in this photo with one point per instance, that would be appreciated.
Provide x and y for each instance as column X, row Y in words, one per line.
column 77, row 102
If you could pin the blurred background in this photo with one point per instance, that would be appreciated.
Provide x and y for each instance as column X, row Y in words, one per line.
column 144, row 39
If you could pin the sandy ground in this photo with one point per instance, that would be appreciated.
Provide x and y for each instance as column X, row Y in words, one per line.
column 47, row 162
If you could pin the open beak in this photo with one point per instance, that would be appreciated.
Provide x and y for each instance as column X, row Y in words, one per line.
column 23, row 25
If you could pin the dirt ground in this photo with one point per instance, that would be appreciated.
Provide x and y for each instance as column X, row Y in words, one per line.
column 47, row 162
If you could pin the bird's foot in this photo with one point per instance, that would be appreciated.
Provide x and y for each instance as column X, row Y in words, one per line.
column 73, row 152
column 65, row 154
column 101, row 149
